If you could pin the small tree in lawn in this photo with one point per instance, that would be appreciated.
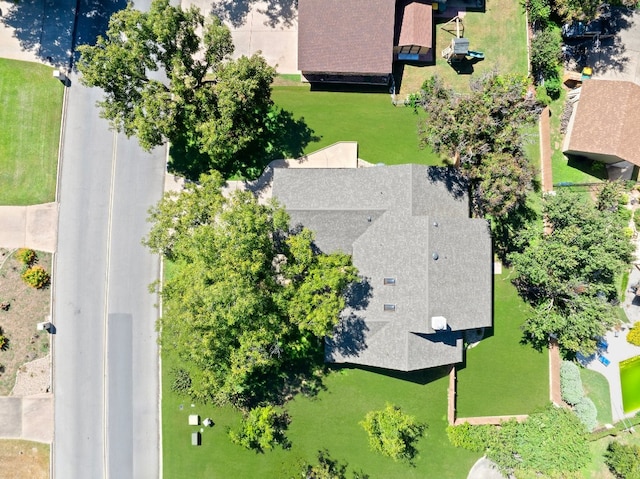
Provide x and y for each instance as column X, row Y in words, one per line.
column 393, row 433
column 261, row 429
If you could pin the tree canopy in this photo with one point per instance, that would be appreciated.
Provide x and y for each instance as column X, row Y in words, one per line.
column 249, row 300
column 482, row 133
column 167, row 75
column 570, row 273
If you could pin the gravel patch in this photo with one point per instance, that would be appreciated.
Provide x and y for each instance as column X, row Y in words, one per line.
column 33, row 378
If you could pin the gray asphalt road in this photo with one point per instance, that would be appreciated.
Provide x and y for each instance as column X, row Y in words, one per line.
column 106, row 357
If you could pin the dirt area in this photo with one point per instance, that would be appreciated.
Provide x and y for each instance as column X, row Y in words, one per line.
column 23, row 460
column 27, row 307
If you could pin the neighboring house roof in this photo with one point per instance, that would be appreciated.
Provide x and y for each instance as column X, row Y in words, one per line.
column 413, row 20
column 346, row 37
column 408, row 223
column 605, row 122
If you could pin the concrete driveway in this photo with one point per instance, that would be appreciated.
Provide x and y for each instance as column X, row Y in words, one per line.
column 270, row 27
column 619, row 59
column 29, row 418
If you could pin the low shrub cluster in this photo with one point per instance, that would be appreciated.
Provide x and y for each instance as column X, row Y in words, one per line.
column 573, row 394
column 393, row 433
column 261, row 429
column 36, row 276
column 26, row 256
column 472, row 438
column 623, row 461
column 633, row 336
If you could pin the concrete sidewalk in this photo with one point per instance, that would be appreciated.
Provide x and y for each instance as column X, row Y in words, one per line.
column 34, row 227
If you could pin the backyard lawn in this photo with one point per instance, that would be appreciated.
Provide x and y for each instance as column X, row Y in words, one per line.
column 500, row 375
column 385, row 134
column 329, row 421
column 499, row 32
column 596, row 388
column 30, row 111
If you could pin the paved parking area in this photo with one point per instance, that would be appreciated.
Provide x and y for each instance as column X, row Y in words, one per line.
column 269, row 27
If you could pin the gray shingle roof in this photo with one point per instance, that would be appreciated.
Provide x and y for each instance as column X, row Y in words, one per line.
column 393, row 220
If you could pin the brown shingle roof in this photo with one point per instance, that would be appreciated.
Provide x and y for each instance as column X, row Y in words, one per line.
column 607, row 120
column 338, row 36
column 414, row 18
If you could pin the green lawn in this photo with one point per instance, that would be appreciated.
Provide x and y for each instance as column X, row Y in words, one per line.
column 499, row 32
column 328, row 421
column 30, row 111
column 385, row 134
column 500, row 375
column 596, row 388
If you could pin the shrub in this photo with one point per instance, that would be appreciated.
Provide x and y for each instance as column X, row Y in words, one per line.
column 181, row 383
column 4, row 341
column 633, row 336
column 36, row 276
column 328, row 468
column 392, row 433
column 554, row 87
column 26, row 256
column 472, row 438
column 623, row 461
column 587, row 413
column 261, row 429
column 542, row 96
column 545, row 54
column 570, row 383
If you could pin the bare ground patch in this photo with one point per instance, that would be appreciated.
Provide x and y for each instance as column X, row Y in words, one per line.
column 27, row 307
column 23, row 459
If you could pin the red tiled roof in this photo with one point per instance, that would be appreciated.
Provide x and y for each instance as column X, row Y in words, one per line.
column 606, row 120
column 414, row 18
column 338, row 36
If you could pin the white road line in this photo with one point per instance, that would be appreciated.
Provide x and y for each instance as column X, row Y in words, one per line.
column 105, row 368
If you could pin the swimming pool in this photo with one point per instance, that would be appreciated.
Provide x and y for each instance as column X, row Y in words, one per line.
column 630, row 380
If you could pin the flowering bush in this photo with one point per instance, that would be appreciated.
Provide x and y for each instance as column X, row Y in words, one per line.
column 26, row 256
column 36, row 276
column 634, row 335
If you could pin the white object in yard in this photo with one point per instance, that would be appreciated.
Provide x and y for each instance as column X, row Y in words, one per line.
column 59, row 75
column 194, row 420
column 46, row 326
column 195, row 438
column 438, row 323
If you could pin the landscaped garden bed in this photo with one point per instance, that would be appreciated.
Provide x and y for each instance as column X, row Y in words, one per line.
column 25, row 307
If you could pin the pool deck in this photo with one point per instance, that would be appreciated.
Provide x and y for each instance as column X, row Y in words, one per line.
column 619, row 349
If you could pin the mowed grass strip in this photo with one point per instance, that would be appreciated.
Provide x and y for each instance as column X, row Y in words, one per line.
column 501, row 376
column 596, row 388
column 30, row 113
column 328, row 421
column 385, row 134
column 500, row 33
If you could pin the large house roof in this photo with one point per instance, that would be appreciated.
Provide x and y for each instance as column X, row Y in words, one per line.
column 409, row 223
column 354, row 37
column 606, row 121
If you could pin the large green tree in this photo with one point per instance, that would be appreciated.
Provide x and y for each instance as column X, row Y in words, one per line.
column 482, row 133
column 569, row 273
column 167, row 75
column 248, row 300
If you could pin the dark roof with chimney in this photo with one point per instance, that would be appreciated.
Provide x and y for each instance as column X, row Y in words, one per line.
column 413, row 22
column 409, row 226
column 346, row 37
column 606, row 121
